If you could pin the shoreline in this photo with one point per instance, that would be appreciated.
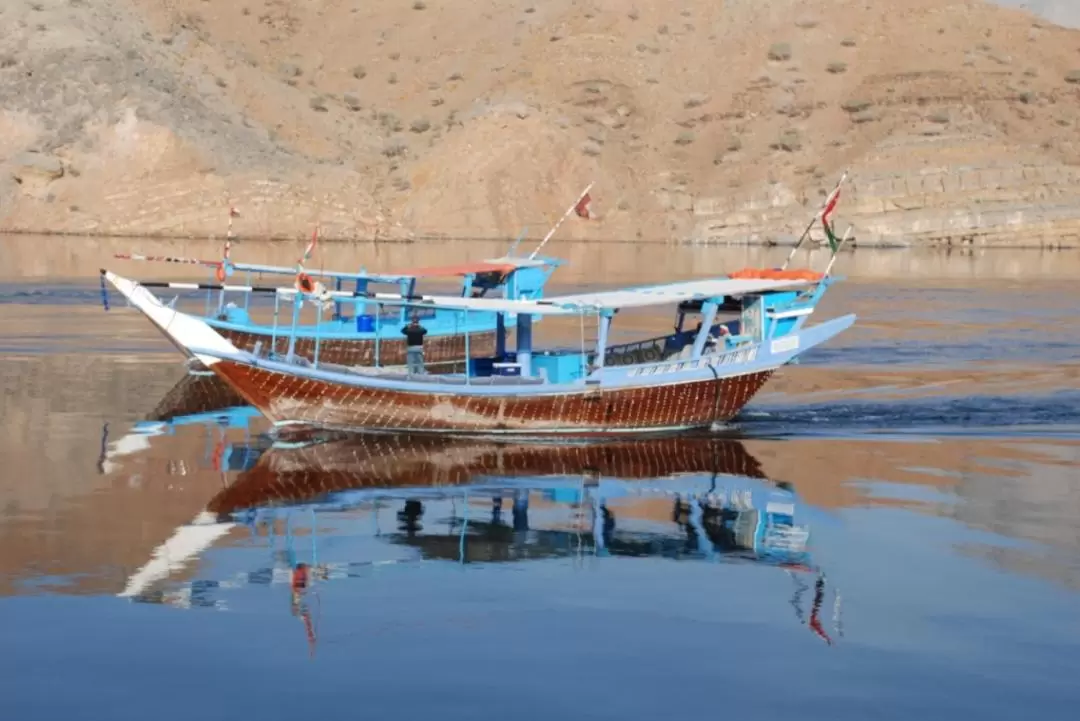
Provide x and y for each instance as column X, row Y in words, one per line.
column 850, row 247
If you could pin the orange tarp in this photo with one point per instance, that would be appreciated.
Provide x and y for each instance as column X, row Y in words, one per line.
column 775, row 274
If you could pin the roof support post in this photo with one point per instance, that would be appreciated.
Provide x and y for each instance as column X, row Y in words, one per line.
column 602, row 337
column 524, row 343
column 500, row 336
column 708, row 315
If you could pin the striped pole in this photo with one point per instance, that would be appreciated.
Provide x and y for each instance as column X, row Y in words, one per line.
column 286, row 291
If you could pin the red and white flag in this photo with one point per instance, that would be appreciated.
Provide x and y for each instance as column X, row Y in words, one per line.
column 582, row 208
column 830, row 205
column 311, row 245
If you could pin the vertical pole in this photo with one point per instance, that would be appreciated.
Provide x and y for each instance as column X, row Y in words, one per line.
column 292, row 336
column 602, row 338
column 468, row 355
column 708, row 315
column 378, row 332
column 524, row 343
column 500, row 336
column 273, row 335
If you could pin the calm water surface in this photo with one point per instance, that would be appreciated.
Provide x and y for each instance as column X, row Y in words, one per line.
column 889, row 530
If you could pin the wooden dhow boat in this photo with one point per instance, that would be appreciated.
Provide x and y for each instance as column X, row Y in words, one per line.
column 701, row 378
column 689, row 379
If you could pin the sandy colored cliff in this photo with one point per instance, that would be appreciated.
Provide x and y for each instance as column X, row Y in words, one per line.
column 712, row 121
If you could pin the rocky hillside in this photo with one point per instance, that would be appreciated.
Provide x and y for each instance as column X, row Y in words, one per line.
column 713, row 121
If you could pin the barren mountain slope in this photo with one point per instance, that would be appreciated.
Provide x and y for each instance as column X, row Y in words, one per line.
column 698, row 119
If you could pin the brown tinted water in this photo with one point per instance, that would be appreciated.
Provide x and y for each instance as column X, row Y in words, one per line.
column 931, row 453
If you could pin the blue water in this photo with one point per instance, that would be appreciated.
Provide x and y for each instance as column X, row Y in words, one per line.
column 858, row 558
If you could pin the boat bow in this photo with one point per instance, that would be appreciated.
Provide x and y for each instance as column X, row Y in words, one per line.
column 188, row 333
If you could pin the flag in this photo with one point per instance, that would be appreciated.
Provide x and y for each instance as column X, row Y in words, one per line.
column 834, row 243
column 582, row 208
column 830, row 206
column 234, row 213
column 310, row 246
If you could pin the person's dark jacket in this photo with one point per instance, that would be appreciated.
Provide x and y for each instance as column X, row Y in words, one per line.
column 414, row 335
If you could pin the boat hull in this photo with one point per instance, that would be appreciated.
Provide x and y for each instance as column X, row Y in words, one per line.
column 288, row 398
column 195, row 394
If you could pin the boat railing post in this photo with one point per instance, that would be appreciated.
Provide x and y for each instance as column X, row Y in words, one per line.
column 274, row 331
column 468, row 357
column 247, row 296
column 297, row 304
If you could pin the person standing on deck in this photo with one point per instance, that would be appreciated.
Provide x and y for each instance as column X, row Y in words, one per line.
column 414, row 345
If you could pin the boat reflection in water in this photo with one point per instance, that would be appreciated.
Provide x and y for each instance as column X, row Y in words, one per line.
column 474, row 501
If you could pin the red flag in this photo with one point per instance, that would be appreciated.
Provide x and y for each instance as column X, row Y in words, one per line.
column 310, row 246
column 582, row 208
column 830, row 205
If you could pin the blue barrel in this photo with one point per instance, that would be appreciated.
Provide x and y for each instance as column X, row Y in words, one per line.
column 365, row 324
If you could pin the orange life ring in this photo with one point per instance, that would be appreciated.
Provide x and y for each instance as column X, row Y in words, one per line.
column 219, row 273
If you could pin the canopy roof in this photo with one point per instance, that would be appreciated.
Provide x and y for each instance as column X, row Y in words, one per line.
column 669, row 293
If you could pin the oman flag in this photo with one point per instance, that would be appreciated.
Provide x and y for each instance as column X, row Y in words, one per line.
column 830, row 205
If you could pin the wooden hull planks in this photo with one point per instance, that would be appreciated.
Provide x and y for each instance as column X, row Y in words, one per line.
column 663, row 407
